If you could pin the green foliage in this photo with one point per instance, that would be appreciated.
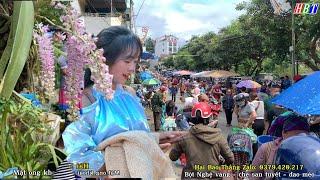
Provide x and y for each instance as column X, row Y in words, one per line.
column 168, row 62
column 20, row 145
column 44, row 8
column 18, row 46
column 255, row 37
column 149, row 43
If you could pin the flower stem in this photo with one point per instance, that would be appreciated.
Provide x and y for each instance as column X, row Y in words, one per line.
column 53, row 24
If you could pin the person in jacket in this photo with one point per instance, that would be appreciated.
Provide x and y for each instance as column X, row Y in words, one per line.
column 290, row 124
column 203, row 144
column 184, row 115
column 173, row 92
column 157, row 102
column 228, row 106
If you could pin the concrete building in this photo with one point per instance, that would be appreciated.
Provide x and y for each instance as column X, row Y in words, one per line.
column 166, row 45
column 100, row 14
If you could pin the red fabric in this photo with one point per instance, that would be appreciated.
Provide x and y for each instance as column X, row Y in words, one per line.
column 63, row 98
column 183, row 159
column 175, row 81
column 215, row 108
column 296, row 78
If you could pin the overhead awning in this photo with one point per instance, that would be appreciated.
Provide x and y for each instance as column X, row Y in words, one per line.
column 200, row 74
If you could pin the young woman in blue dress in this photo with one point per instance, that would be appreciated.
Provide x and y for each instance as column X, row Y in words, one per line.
column 102, row 118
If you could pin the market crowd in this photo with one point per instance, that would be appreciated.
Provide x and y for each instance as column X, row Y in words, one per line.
column 260, row 137
column 114, row 133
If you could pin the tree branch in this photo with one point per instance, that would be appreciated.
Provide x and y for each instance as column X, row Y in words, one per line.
column 5, row 16
column 6, row 13
column 311, row 65
column 313, row 48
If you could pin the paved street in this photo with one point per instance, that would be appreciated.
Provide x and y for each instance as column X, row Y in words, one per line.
column 222, row 125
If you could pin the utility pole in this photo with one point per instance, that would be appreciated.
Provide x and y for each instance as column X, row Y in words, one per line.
column 131, row 16
column 111, row 9
column 293, row 61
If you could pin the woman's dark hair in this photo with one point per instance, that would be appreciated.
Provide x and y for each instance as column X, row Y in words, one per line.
column 253, row 96
column 117, row 40
column 87, row 78
column 243, row 89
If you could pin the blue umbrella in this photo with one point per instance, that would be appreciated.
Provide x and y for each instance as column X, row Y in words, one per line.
column 147, row 55
column 145, row 75
column 302, row 97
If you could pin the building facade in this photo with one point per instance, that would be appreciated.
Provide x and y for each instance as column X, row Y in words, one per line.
column 100, row 14
column 166, row 45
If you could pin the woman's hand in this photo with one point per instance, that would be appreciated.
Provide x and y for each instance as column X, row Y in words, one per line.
column 167, row 138
column 165, row 147
column 171, row 136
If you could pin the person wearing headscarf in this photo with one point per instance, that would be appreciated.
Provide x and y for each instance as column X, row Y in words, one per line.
column 290, row 125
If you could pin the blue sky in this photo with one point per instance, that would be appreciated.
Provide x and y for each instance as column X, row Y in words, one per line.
column 184, row 18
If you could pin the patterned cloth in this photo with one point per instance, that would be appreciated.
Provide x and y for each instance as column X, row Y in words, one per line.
column 296, row 122
column 240, row 158
column 277, row 124
column 169, row 124
column 64, row 172
column 288, row 121
column 241, row 143
column 136, row 154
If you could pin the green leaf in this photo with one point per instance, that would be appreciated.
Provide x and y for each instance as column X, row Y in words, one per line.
column 29, row 167
column 23, row 15
column 54, row 156
column 37, row 166
column 7, row 51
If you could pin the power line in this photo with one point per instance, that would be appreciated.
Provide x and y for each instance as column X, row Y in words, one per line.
column 140, row 9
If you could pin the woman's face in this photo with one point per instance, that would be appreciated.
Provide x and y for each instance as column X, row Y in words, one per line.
column 123, row 67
